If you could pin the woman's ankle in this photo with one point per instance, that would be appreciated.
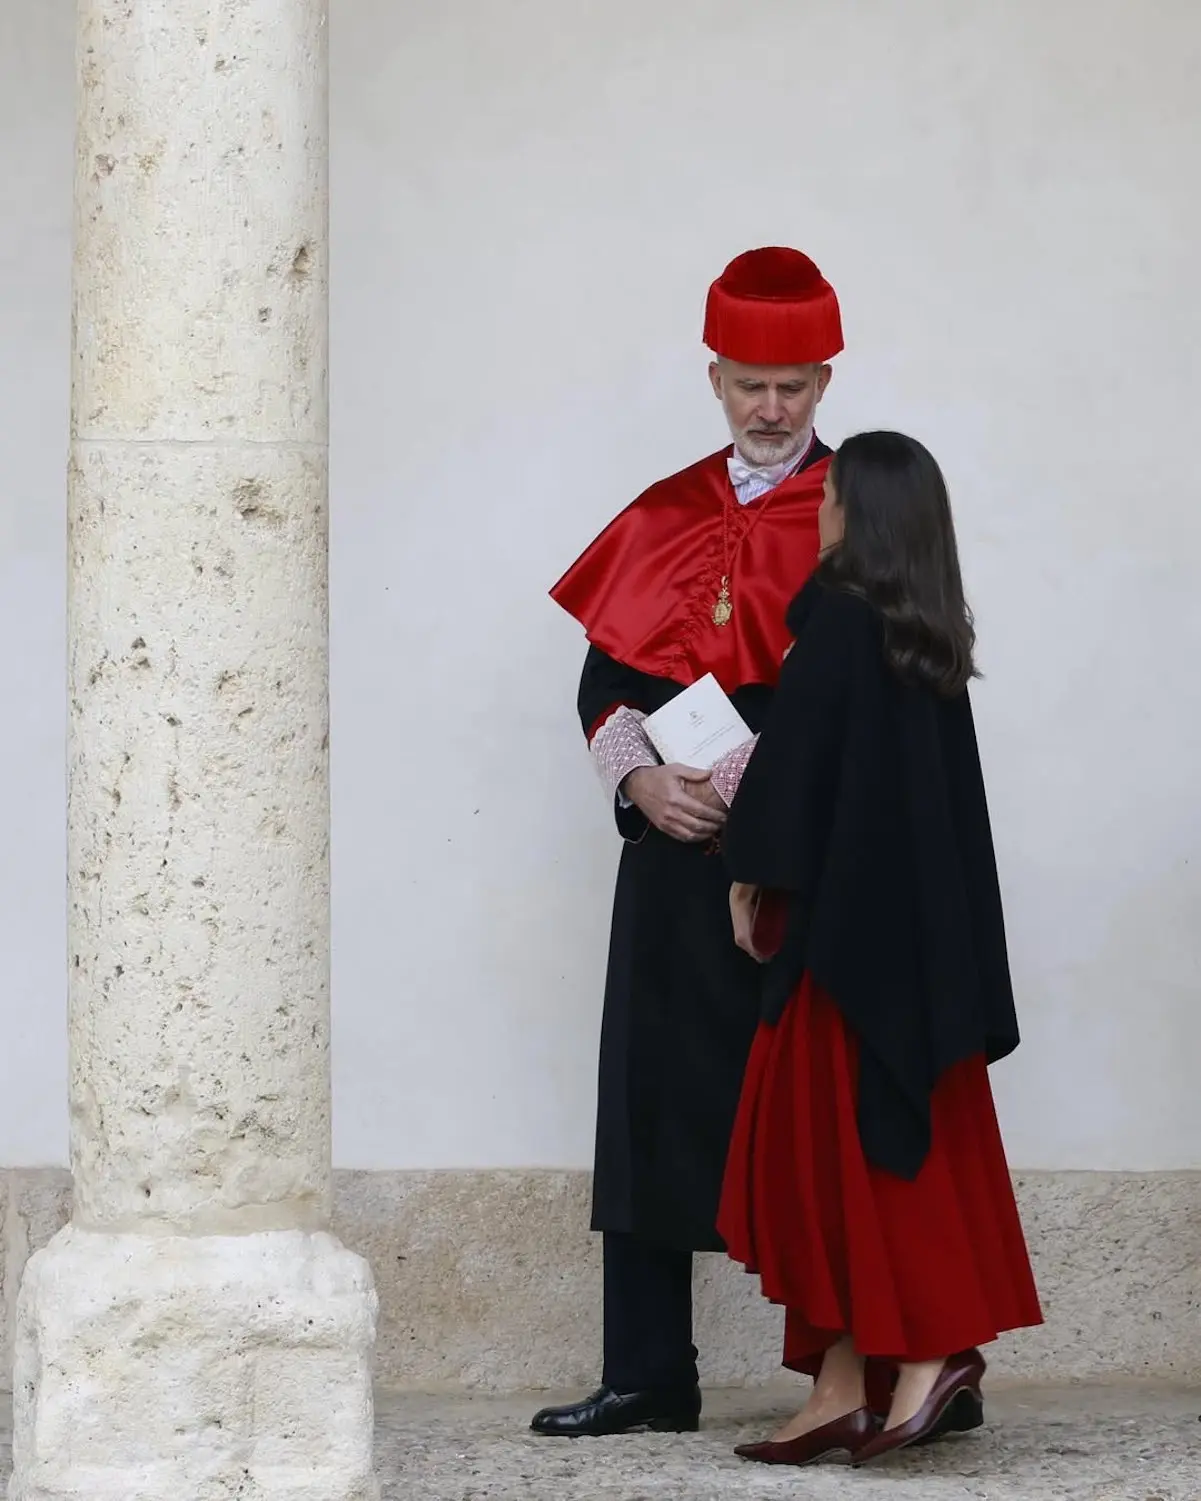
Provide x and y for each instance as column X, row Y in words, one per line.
column 841, row 1383
column 915, row 1382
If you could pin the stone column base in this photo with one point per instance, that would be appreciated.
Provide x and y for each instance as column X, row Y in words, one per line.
column 194, row 1369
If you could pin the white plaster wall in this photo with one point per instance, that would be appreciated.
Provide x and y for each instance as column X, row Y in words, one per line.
column 36, row 166
column 529, row 200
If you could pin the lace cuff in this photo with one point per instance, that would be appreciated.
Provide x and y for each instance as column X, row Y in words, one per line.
column 727, row 774
column 619, row 747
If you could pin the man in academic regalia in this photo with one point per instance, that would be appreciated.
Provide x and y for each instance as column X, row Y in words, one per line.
column 694, row 577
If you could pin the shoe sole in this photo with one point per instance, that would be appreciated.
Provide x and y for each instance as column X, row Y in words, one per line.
column 839, row 1455
column 656, row 1425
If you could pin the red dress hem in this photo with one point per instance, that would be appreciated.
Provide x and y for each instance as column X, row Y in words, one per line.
column 912, row 1270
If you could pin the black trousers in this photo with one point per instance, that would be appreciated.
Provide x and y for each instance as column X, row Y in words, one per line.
column 648, row 1316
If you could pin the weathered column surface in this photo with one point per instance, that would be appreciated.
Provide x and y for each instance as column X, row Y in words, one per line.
column 196, row 1332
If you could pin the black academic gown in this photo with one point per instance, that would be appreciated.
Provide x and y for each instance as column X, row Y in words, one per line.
column 681, row 1007
column 681, row 1001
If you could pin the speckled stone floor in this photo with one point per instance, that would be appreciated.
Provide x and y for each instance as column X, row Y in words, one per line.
column 1082, row 1443
column 1077, row 1443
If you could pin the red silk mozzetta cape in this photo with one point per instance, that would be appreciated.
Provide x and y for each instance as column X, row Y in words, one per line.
column 644, row 590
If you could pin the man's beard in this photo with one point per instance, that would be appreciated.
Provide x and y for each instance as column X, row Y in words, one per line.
column 763, row 454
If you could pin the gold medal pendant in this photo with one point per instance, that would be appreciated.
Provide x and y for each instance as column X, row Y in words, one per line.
column 723, row 610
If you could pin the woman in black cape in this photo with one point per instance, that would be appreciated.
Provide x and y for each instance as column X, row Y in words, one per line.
column 867, row 1183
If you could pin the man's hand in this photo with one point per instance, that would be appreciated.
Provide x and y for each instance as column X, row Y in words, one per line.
column 708, row 794
column 674, row 799
column 744, row 904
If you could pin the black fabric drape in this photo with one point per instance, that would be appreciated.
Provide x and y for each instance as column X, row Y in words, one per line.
column 864, row 804
column 681, row 1008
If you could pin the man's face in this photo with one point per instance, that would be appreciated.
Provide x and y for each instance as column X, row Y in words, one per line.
column 769, row 408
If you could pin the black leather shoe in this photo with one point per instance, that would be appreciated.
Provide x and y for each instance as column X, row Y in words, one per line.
column 607, row 1412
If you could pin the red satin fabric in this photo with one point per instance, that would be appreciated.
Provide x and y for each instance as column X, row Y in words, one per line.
column 644, row 590
column 911, row 1270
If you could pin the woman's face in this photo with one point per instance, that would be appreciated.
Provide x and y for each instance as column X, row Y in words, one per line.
column 831, row 522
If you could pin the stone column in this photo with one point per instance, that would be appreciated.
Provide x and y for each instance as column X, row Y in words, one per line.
column 196, row 1331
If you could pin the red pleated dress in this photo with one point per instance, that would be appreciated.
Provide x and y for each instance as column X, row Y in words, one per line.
column 911, row 1270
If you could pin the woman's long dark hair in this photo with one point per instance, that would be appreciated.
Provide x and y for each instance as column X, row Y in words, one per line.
column 899, row 552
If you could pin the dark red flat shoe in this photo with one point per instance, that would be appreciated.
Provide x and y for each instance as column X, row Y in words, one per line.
column 960, row 1417
column 846, row 1435
column 954, row 1405
column 965, row 1412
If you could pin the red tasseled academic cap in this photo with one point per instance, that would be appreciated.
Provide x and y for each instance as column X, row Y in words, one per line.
column 773, row 307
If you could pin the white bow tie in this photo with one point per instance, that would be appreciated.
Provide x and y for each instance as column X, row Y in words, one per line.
column 741, row 473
